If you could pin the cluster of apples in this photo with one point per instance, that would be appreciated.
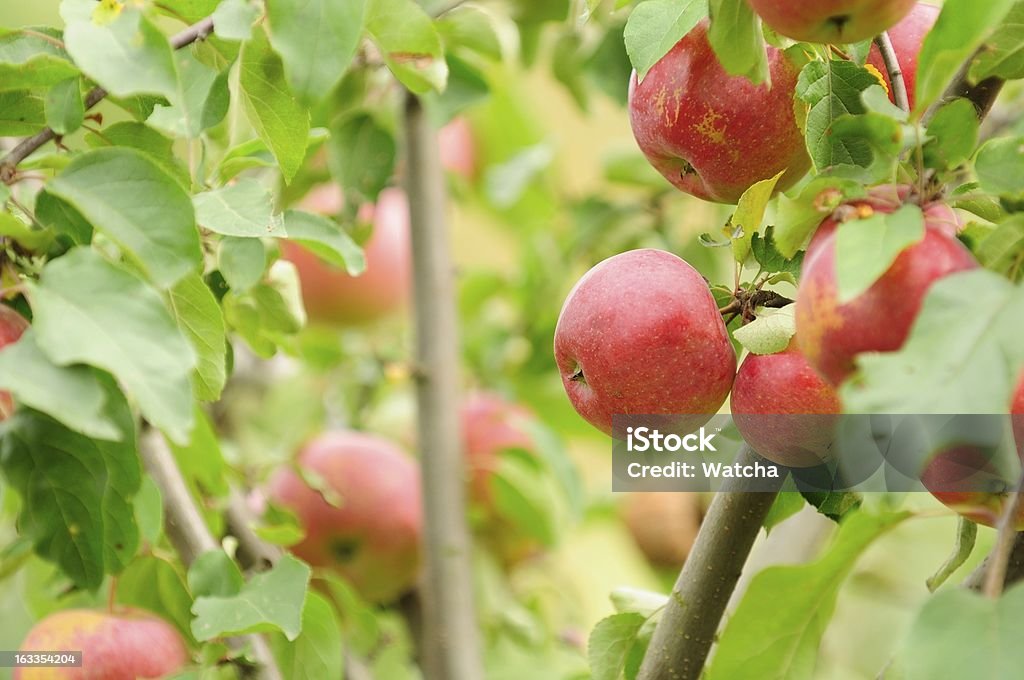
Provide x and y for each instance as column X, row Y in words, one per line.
column 641, row 333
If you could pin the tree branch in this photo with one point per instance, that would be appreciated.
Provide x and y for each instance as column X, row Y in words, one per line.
column 687, row 627
column 9, row 163
column 983, row 94
column 1014, row 570
column 191, row 537
column 892, row 65
column 451, row 646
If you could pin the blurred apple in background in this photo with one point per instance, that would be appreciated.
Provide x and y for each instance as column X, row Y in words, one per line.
column 663, row 524
column 457, row 148
column 12, row 325
column 332, row 297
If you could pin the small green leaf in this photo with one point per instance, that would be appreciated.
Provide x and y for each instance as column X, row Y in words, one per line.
column 953, row 133
column 1003, row 56
column 271, row 600
column 132, row 199
column 118, row 324
column 241, row 261
column 786, row 504
column 201, row 101
column 214, row 574
column 200, row 318
column 362, row 156
column 769, row 333
column 766, row 253
column 127, row 56
column 64, row 108
column 316, row 40
column 22, row 113
column 524, row 496
column 966, row 533
column 154, row 584
column 200, row 459
column 33, row 58
column 244, row 208
column 610, row 643
column 736, row 37
column 275, row 113
column 999, row 166
column 832, row 89
column 797, row 218
column 865, row 249
column 655, row 26
column 632, row 600
column 746, row 221
column 470, row 28
column 961, row 27
column 233, row 19
column 409, row 42
column 326, row 239
column 1003, row 248
column 318, row 651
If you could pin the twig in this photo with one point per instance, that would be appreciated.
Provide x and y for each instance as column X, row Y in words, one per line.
column 687, row 627
column 9, row 163
column 999, row 559
column 451, row 644
column 1014, row 567
column 253, row 552
column 983, row 94
column 892, row 65
column 191, row 537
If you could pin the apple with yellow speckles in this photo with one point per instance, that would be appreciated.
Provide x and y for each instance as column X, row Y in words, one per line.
column 711, row 134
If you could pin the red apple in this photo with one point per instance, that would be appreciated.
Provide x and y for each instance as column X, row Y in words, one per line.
column 330, row 294
column 491, row 425
column 831, row 21
column 711, row 134
column 907, row 37
column 124, row 645
column 640, row 333
column 664, row 525
column 784, row 409
column 12, row 325
column 457, row 148
column 831, row 334
column 1017, row 418
column 365, row 517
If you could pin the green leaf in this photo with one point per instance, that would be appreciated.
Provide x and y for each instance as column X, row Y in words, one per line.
column 276, row 115
column 271, row 600
column 1003, row 249
column 797, row 218
column 64, row 108
column 766, row 253
column 470, row 28
column 362, row 156
column 317, row 652
column 524, row 496
column 961, row 27
column 610, row 643
column 126, row 56
column 316, row 40
column 655, row 26
column 22, row 113
column 967, row 334
column 118, row 324
column 76, row 491
column 735, row 35
column 241, row 261
column 769, row 333
column 409, row 42
column 832, row 504
column 786, row 504
column 880, row 134
column 233, row 19
column 326, row 239
column 746, row 221
column 200, row 459
column 832, row 89
column 74, row 395
column 244, row 208
column 154, row 584
column 962, row 634
column 200, row 318
column 201, row 99
column 865, row 249
column 62, row 218
column 633, row 600
column 129, row 197
column 953, row 133
column 966, row 533
column 148, row 140
column 37, row 240
column 214, row 574
column 779, row 623
column 1003, row 56
column 271, row 310
column 33, row 58
column 999, row 166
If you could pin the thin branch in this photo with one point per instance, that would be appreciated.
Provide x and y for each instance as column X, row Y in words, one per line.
column 451, row 644
column 892, row 65
column 253, row 552
column 191, row 537
column 1014, row 570
column 688, row 624
column 28, row 146
column 999, row 559
column 982, row 94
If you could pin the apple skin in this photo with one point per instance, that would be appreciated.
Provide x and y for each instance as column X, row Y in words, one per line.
column 12, row 325
column 457, row 148
column 830, row 21
column 490, row 425
column 831, row 334
column 784, row 409
column 640, row 333
column 907, row 36
column 125, row 645
column 373, row 538
column 663, row 525
column 1017, row 416
column 331, row 296
column 711, row 134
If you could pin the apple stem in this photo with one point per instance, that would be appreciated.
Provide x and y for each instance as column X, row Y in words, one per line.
column 190, row 536
column 9, row 163
column 688, row 625
column 892, row 65
column 450, row 642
